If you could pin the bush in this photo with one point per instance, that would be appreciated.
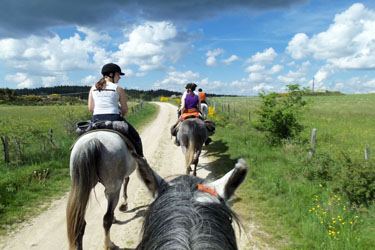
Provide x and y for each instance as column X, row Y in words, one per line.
column 357, row 180
column 279, row 115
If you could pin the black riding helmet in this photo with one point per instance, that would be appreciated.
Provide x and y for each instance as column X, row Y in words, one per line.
column 111, row 68
column 191, row 86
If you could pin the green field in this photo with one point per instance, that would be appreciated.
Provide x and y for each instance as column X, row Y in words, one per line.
column 38, row 171
column 326, row 202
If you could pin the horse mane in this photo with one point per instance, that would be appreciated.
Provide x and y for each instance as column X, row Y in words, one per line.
column 176, row 220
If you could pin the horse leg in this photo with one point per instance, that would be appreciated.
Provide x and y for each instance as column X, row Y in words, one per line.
column 108, row 220
column 197, row 154
column 188, row 169
column 124, row 205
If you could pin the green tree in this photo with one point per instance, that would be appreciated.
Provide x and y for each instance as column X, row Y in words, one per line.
column 279, row 114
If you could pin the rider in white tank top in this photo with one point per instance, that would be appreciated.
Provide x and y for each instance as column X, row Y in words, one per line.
column 106, row 100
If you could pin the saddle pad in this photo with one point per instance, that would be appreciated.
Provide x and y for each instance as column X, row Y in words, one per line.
column 128, row 143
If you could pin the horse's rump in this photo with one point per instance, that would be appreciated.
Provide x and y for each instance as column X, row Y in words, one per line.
column 96, row 156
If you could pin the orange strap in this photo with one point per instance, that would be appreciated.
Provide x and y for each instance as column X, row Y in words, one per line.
column 207, row 189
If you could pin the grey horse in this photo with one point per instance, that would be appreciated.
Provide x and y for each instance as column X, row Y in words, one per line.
column 191, row 135
column 100, row 156
column 204, row 110
column 190, row 213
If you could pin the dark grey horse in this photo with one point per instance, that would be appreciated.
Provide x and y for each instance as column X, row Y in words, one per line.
column 189, row 213
column 191, row 135
column 98, row 156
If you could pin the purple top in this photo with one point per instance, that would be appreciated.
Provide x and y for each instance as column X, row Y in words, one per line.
column 191, row 102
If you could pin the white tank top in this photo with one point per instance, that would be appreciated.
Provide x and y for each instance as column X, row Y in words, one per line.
column 106, row 100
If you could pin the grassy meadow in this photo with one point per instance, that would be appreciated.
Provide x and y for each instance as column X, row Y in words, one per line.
column 323, row 202
column 38, row 171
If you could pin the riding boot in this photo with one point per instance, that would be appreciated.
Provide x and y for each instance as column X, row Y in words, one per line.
column 176, row 142
column 208, row 140
column 134, row 137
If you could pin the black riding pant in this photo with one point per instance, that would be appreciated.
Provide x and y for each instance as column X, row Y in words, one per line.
column 132, row 134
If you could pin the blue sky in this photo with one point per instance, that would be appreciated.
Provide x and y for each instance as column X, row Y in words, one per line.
column 227, row 47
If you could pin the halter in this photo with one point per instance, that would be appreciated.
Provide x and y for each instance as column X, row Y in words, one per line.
column 207, row 189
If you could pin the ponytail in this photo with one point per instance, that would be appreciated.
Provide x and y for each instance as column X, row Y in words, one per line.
column 100, row 83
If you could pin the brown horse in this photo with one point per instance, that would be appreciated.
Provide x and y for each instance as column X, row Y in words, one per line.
column 100, row 156
column 191, row 135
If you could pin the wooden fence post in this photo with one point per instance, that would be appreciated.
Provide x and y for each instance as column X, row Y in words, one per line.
column 4, row 139
column 51, row 138
column 367, row 152
column 312, row 143
column 249, row 117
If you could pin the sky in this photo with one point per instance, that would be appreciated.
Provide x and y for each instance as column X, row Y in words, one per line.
column 237, row 47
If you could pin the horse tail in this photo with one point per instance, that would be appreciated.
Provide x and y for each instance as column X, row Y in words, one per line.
column 84, row 174
column 190, row 150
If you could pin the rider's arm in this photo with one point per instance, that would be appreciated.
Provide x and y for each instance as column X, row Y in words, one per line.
column 91, row 103
column 123, row 101
column 199, row 103
column 183, row 101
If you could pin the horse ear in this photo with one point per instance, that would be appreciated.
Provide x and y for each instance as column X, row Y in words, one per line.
column 227, row 185
column 152, row 180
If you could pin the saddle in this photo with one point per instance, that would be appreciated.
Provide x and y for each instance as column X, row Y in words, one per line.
column 209, row 125
column 190, row 113
column 119, row 127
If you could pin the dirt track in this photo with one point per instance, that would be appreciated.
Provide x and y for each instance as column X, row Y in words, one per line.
column 48, row 231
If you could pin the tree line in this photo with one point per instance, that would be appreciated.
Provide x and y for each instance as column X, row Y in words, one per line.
column 72, row 95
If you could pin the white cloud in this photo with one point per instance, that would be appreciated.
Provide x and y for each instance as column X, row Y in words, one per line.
column 89, row 80
column 152, row 44
column 265, row 57
column 297, row 76
column 370, row 83
column 348, row 43
column 255, row 68
column 43, row 60
column 231, row 59
column 149, row 46
column 211, row 61
column 275, row 69
column 176, row 80
column 211, row 56
column 321, row 78
column 22, row 80
column 49, row 81
column 297, row 47
column 262, row 86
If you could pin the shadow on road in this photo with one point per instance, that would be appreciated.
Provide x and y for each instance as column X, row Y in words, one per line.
column 140, row 212
column 222, row 163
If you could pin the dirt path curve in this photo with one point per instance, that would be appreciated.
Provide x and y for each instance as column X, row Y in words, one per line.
column 48, row 231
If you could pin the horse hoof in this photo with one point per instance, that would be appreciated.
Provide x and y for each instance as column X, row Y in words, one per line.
column 123, row 207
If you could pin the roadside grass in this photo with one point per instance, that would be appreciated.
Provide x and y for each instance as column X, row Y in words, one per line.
column 28, row 185
column 300, row 201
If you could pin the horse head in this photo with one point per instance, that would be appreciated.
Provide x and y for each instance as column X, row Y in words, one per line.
column 189, row 212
